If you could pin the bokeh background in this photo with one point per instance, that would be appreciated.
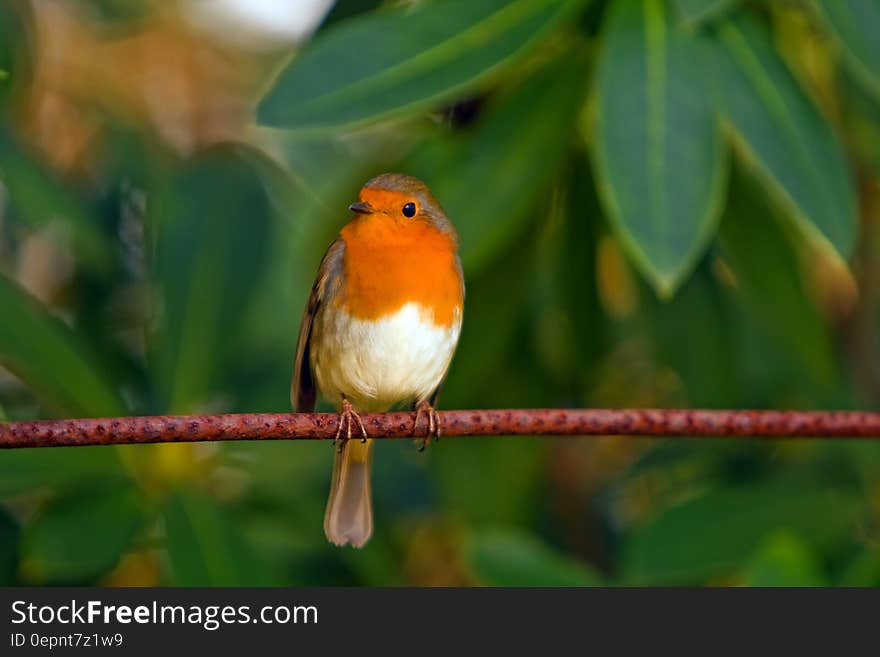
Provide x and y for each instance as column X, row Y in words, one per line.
column 662, row 203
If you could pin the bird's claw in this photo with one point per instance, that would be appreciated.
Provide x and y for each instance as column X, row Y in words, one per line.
column 434, row 429
column 346, row 417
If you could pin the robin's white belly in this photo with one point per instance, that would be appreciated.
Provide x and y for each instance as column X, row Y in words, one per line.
column 378, row 363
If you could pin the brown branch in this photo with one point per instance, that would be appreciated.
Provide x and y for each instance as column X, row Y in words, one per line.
column 322, row 426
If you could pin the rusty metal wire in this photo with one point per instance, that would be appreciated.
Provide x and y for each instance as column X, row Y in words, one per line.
column 548, row 422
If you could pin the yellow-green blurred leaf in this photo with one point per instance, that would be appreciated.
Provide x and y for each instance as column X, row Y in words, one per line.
column 570, row 326
column 82, row 534
column 863, row 569
column 30, row 470
column 707, row 537
column 496, row 311
column 715, row 343
column 767, row 279
column 39, row 195
column 9, row 537
column 13, row 47
column 51, row 359
column 487, row 481
column 783, row 560
column 212, row 223
column 205, row 548
column 515, row 558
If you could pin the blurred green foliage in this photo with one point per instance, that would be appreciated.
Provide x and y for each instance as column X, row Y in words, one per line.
column 661, row 203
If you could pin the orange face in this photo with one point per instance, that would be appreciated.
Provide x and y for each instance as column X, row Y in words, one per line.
column 393, row 204
column 395, row 255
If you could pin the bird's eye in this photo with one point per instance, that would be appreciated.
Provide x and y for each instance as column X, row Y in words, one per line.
column 409, row 210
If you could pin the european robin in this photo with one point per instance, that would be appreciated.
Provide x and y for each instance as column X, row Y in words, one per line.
column 380, row 327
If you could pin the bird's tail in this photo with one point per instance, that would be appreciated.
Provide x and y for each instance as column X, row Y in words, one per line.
column 349, row 515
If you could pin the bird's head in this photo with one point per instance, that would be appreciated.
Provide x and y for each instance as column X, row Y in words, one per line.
column 403, row 199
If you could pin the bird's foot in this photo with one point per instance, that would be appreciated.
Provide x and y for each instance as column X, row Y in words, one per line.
column 433, row 424
column 348, row 416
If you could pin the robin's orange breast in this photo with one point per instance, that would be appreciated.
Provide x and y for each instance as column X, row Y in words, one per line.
column 389, row 264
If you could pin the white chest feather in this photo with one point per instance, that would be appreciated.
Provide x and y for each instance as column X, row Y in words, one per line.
column 376, row 364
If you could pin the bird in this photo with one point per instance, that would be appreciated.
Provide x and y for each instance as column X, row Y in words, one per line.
column 380, row 328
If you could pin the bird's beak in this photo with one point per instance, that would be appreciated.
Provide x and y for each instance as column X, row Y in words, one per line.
column 361, row 207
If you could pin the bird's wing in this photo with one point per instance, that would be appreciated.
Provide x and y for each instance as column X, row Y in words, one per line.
column 302, row 387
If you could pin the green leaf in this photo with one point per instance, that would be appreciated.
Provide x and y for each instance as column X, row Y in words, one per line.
column 28, row 470
column 485, row 481
column 863, row 569
column 38, row 195
column 512, row 558
column 779, row 131
column 205, row 547
column 496, row 316
column 51, row 359
column 212, row 223
column 695, row 12
column 9, row 538
column 343, row 10
column 855, row 24
column 82, row 534
column 784, row 560
column 768, row 280
column 711, row 535
column 571, row 335
column 714, row 342
column 402, row 60
column 511, row 157
column 659, row 152
column 13, row 48
column 862, row 122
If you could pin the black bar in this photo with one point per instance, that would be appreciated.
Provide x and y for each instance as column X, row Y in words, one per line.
column 413, row 621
